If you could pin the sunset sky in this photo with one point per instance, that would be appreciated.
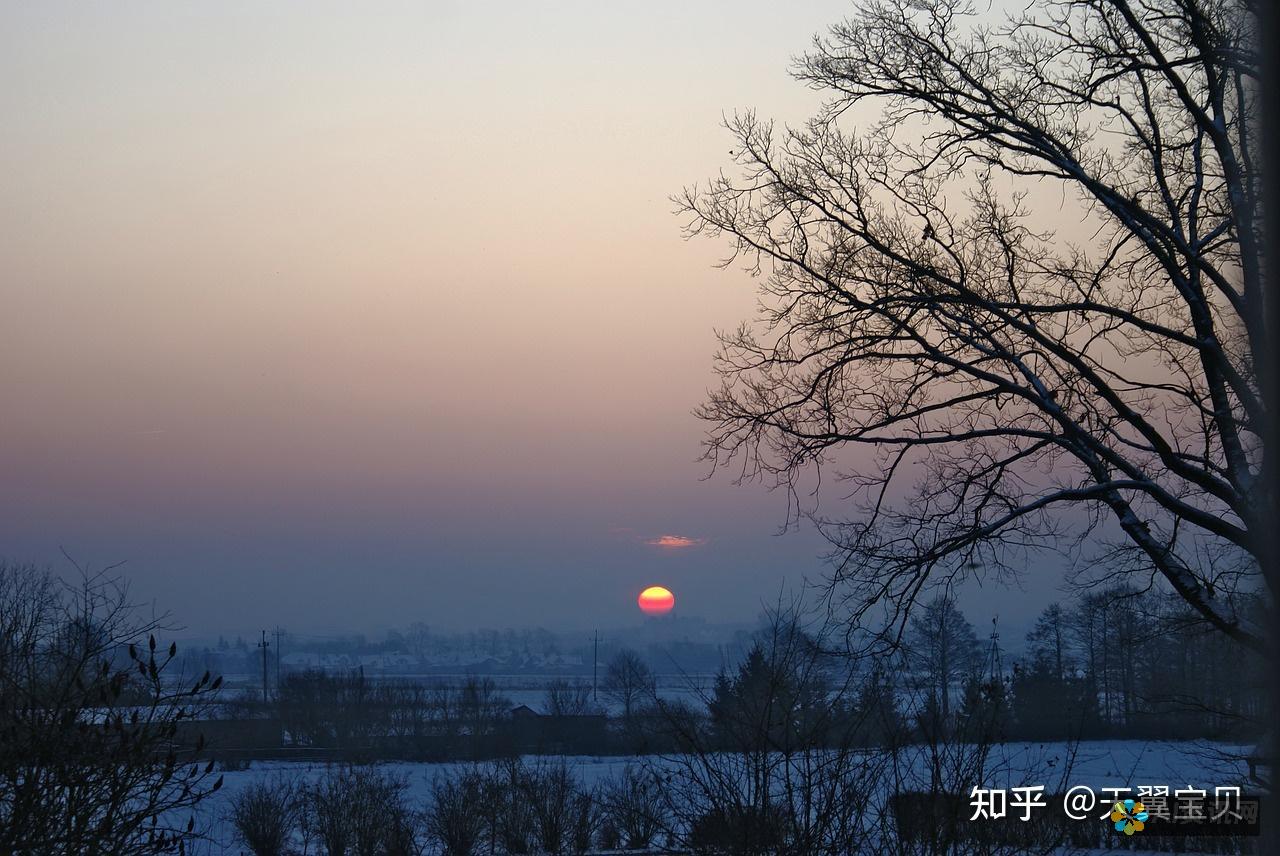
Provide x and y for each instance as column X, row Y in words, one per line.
column 342, row 321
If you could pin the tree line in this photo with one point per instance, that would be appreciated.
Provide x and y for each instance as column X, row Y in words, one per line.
column 1123, row 663
column 792, row 754
column 796, row 749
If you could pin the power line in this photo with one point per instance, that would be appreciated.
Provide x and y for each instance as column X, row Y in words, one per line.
column 264, row 644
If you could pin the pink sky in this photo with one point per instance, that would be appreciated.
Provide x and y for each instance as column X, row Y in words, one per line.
column 352, row 320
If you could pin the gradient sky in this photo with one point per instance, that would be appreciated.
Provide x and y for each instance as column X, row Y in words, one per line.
column 338, row 320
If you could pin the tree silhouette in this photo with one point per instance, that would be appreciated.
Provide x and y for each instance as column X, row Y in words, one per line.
column 628, row 681
column 942, row 647
column 92, row 755
column 1024, row 384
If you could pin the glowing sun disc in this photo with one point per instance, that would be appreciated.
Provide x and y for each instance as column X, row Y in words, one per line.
column 656, row 600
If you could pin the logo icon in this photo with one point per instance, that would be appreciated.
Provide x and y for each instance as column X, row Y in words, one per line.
column 1129, row 816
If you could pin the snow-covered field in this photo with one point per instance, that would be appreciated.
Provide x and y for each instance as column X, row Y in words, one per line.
column 1057, row 766
column 419, row 777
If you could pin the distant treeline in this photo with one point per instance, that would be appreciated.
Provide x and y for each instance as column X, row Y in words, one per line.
column 1113, row 664
column 791, row 753
column 805, row 745
column 419, row 650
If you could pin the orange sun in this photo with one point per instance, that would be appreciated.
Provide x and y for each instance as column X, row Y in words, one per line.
column 656, row 600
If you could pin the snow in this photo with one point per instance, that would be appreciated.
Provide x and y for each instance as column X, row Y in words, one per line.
column 1099, row 764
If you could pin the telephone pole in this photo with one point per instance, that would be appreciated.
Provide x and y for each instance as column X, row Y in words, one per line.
column 595, row 664
column 264, row 644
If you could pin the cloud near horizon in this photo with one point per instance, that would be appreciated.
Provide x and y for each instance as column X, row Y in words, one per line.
column 675, row 542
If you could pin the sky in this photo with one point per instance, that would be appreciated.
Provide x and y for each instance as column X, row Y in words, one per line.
column 339, row 321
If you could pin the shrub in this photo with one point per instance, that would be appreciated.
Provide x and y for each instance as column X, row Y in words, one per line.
column 264, row 815
column 360, row 811
column 633, row 809
column 455, row 818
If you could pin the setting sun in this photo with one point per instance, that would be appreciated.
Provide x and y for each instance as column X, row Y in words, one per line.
column 656, row 600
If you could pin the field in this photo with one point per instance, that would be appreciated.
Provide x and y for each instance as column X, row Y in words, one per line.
column 1057, row 766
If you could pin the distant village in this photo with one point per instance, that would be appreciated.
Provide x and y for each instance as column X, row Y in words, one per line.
column 670, row 645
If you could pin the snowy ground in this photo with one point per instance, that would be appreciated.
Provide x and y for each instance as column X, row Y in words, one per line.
column 1098, row 764
column 419, row 777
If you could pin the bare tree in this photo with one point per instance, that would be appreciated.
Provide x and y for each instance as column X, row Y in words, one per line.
column 478, row 706
column 778, row 769
column 1049, row 641
column 943, row 647
column 509, row 816
column 264, row 815
column 418, row 641
column 1026, row 384
column 557, row 801
column 568, row 699
column 454, row 818
column 92, row 754
column 627, row 681
column 634, row 809
column 327, row 814
column 360, row 811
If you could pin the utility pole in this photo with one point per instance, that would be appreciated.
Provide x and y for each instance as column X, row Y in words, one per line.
column 995, row 669
column 595, row 665
column 264, row 644
column 277, row 662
